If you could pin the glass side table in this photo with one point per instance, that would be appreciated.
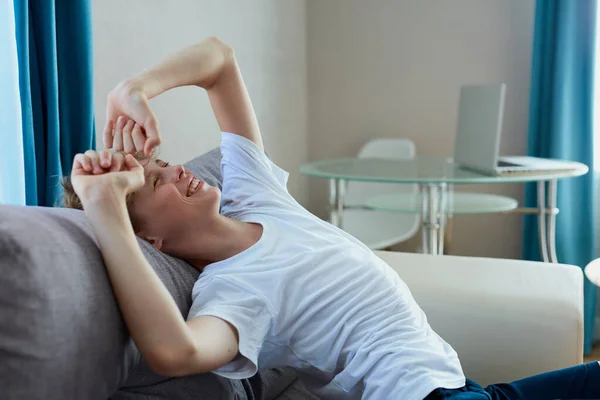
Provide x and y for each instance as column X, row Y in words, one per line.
column 436, row 176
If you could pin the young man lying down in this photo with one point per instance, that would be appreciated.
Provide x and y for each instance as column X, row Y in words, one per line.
column 279, row 286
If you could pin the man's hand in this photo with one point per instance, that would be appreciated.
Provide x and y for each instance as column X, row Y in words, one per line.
column 211, row 65
column 128, row 136
column 131, row 125
column 95, row 175
column 199, row 65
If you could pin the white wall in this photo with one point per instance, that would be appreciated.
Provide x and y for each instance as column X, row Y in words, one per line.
column 269, row 37
column 393, row 68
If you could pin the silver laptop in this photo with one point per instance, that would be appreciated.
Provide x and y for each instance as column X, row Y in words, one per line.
column 477, row 143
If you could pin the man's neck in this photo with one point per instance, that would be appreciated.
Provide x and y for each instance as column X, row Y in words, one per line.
column 219, row 240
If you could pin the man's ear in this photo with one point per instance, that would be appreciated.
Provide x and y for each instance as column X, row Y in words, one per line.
column 154, row 241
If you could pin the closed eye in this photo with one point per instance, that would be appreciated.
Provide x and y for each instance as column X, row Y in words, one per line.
column 162, row 164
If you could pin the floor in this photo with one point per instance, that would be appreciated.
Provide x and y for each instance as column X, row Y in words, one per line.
column 594, row 355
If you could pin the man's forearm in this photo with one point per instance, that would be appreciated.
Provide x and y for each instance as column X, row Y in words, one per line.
column 198, row 65
column 151, row 315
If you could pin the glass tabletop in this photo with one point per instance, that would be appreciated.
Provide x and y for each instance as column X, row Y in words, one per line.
column 426, row 170
column 459, row 203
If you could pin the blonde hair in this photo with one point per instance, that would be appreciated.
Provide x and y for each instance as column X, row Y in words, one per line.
column 71, row 200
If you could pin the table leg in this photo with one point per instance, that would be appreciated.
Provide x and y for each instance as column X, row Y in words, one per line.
column 333, row 216
column 551, row 237
column 425, row 225
column 434, row 208
column 442, row 216
column 449, row 218
column 341, row 194
column 433, row 217
column 542, row 231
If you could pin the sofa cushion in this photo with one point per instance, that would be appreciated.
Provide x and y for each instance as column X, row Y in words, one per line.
column 208, row 167
column 61, row 334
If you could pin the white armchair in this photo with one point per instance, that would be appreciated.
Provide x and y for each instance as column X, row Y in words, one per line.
column 507, row 319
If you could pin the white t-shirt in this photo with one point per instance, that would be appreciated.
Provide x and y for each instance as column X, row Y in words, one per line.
column 310, row 296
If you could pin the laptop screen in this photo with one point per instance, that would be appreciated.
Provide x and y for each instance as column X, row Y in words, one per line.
column 480, row 115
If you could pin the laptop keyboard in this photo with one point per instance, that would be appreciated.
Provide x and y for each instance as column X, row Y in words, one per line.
column 507, row 164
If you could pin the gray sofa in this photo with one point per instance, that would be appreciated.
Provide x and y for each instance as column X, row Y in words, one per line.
column 61, row 333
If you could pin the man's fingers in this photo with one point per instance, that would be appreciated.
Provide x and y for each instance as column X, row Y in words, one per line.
column 150, row 145
column 83, row 162
column 135, row 175
column 95, row 161
column 105, row 159
column 139, row 138
column 107, row 135
column 118, row 138
column 111, row 118
column 128, row 145
column 117, row 162
column 131, row 163
column 153, row 136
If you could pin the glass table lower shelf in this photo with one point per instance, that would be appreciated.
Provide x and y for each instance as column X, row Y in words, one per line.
column 459, row 203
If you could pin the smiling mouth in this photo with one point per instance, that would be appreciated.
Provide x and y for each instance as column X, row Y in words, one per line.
column 194, row 186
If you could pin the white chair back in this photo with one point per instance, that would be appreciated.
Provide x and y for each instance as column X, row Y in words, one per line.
column 378, row 229
column 390, row 149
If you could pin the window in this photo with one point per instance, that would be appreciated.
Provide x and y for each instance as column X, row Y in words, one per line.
column 12, row 170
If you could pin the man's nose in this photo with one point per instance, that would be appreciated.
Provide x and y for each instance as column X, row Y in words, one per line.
column 179, row 172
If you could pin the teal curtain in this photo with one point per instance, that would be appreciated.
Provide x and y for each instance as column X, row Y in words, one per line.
column 54, row 48
column 561, row 126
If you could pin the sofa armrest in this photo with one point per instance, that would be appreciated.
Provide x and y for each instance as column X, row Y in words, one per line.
column 506, row 319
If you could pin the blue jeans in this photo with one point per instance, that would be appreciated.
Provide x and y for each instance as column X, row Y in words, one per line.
column 579, row 382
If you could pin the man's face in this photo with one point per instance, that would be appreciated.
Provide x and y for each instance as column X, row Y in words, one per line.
column 172, row 201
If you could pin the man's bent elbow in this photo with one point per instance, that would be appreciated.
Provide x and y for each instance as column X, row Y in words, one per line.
column 174, row 362
column 225, row 49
